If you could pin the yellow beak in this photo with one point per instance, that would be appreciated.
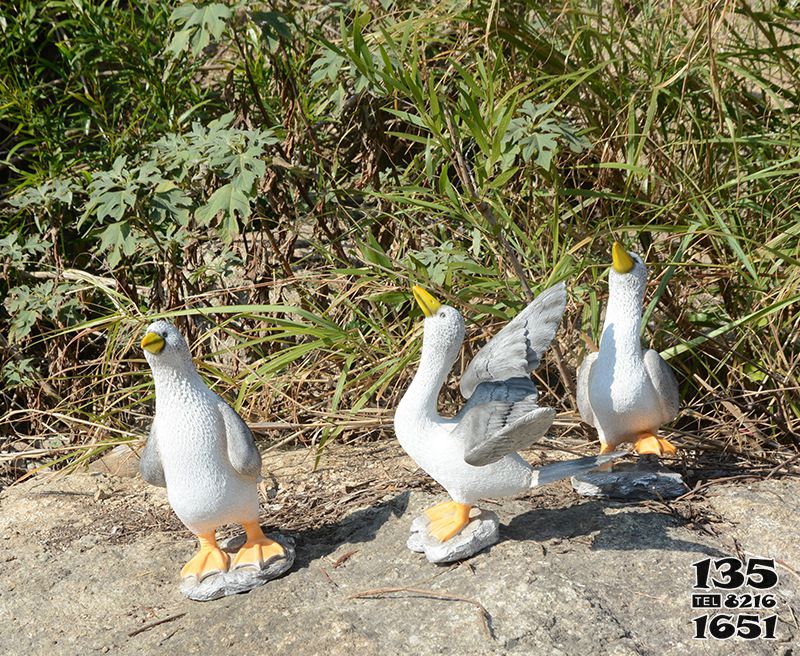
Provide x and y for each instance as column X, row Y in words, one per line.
column 620, row 259
column 153, row 343
column 427, row 302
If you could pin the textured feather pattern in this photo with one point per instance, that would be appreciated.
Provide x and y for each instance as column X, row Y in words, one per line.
column 510, row 391
column 517, row 349
column 485, row 448
column 198, row 446
column 203, row 487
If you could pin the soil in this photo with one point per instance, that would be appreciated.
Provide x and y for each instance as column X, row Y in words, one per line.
column 91, row 561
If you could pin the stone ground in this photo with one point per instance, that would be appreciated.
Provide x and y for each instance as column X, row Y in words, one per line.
column 90, row 565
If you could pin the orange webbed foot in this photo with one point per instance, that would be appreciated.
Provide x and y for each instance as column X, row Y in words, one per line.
column 257, row 550
column 447, row 519
column 210, row 559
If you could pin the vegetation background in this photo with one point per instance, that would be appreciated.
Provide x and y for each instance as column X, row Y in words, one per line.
column 274, row 176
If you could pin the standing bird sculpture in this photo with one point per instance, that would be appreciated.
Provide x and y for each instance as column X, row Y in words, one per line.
column 473, row 454
column 204, row 454
column 624, row 391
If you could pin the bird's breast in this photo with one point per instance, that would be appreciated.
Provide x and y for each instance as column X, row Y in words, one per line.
column 622, row 397
column 191, row 435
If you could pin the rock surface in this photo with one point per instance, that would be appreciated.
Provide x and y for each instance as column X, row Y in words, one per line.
column 239, row 580
column 762, row 512
column 569, row 575
column 482, row 531
column 635, row 481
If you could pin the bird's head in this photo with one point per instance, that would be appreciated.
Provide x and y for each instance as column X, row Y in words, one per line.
column 165, row 348
column 444, row 325
column 628, row 271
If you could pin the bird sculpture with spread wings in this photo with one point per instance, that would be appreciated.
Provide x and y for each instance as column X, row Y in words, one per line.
column 474, row 454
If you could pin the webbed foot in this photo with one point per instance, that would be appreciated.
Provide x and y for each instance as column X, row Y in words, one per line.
column 258, row 549
column 653, row 445
column 210, row 559
column 447, row 519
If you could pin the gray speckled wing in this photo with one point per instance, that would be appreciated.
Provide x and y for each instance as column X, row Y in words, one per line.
column 150, row 462
column 517, row 349
column 664, row 381
column 242, row 452
column 493, row 430
column 582, row 392
column 511, row 391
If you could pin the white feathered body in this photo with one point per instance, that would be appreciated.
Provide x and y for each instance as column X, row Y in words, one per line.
column 203, row 488
column 624, row 402
column 430, row 444
column 494, row 423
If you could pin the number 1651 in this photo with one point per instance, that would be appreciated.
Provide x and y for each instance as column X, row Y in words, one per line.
column 723, row 627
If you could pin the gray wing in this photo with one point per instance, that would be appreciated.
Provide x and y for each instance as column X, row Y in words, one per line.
column 150, row 462
column 584, row 406
column 512, row 391
column 242, row 452
column 493, row 430
column 663, row 379
column 517, row 349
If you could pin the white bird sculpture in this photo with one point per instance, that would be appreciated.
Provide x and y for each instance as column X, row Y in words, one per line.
column 204, row 454
column 626, row 392
column 473, row 454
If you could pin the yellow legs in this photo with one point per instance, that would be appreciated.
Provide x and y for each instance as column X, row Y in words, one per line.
column 258, row 549
column 644, row 444
column 647, row 443
column 606, row 466
column 209, row 560
column 606, row 448
column 447, row 519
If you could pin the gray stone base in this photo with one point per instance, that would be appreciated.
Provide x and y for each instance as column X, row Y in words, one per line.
column 482, row 531
column 634, row 481
column 242, row 579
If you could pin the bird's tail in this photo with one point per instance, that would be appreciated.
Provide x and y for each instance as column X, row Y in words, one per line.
column 558, row 470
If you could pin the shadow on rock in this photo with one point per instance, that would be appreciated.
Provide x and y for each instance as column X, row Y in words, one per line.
column 360, row 526
column 623, row 531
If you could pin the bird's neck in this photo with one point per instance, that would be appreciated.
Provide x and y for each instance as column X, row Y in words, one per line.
column 622, row 324
column 174, row 385
column 421, row 397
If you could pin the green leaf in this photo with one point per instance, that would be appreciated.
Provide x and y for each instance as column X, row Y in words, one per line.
column 227, row 199
column 200, row 24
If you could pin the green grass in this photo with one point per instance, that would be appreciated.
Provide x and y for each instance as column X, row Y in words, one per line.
column 483, row 149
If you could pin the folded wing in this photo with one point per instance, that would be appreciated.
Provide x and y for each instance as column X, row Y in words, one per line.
column 584, row 405
column 663, row 379
column 150, row 462
column 242, row 451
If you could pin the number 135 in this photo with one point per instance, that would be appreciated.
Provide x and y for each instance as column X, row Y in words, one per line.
column 759, row 573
